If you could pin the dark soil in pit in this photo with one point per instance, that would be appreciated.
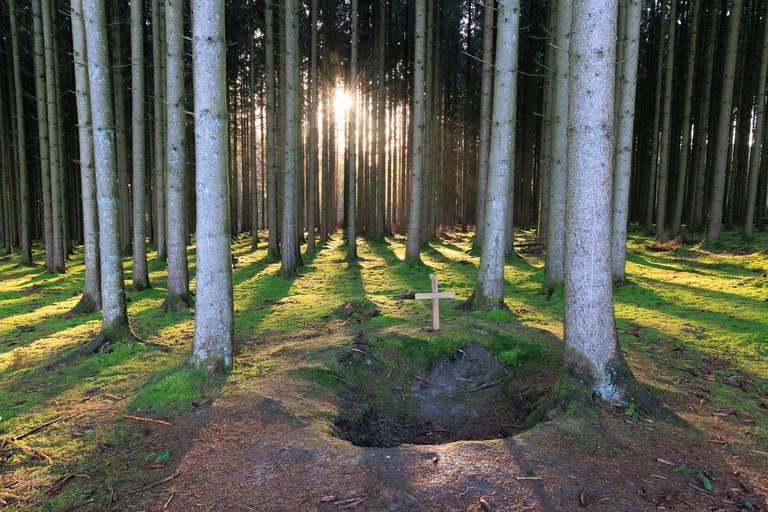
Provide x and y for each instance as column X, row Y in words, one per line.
column 468, row 395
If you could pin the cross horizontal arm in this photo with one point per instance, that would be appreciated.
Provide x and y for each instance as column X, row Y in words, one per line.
column 441, row 295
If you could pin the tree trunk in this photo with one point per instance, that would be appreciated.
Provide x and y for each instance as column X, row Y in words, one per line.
column 351, row 219
column 313, row 113
column 724, row 126
column 159, row 151
column 21, row 144
column 412, row 251
column 91, row 300
column 140, row 272
column 381, row 128
column 54, row 153
column 651, row 198
column 214, row 311
column 291, row 168
column 555, row 264
column 486, row 100
column 589, row 326
column 622, row 172
column 176, row 179
column 115, row 325
column 274, row 246
column 758, row 139
column 489, row 292
column 254, row 189
column 667, row 134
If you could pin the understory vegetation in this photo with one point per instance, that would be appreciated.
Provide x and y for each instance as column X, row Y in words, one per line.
column 691, row 320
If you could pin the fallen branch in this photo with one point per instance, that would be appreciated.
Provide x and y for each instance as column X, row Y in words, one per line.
column 154, row 484
column 151, row 420
column 482, row 387
column 37, row 428
column 28, row 449
column 425, row 380
column 529, row 478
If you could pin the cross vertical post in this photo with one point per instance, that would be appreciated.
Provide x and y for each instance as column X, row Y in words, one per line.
column 435, row 296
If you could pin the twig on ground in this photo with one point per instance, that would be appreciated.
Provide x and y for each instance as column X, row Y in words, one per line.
column 496, row 383
column 154, row 484
column 151, row 420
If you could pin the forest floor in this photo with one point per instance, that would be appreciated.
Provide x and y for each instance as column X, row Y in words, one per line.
column 341, row 352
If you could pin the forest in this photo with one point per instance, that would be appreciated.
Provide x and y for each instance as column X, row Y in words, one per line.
column 441, row 255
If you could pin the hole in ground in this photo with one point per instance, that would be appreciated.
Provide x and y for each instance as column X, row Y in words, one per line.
column 468, row 395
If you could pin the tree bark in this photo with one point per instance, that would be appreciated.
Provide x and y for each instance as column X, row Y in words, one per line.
column 291, row 169
column 25, row 235
column 159, row 142
column 722, row 141
column 554, row 268
column 140, row 272
column 625, row 140
column 214, row 311
column 381, row 128
column 758, row 139
column 274, row 245
column 313, row 155
column 412, row 250
column 667, row 134
column 489, row 292
column 115, row 325
column 176, row 165
column 351, row 219
column 486, row 101
column 651, row 197
column 91, row 300
column 592, row 348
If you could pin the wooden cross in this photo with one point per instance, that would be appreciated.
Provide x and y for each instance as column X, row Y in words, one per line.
column 435, row 296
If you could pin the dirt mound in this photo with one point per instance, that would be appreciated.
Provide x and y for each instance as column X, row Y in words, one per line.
column 468, row 395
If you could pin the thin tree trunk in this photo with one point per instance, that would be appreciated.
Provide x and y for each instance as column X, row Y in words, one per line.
column 313, row 156
column 667, row 134
column 121, row 132
column 273, row 251
column 351, row 219
column 159, row 151
column 651, row 198
column 115, row 325
column 291, row 167
column 486, row 101
column 489, row 292
column 758, row 139
column 140, row 272
column 58, row 264
column 254, row 217
column 214, row 312
column 412, row 251
column 21, row 144
column 555, row 262
column 91, row 300
column 724, row 126
column 622, row 172
column 176, row 197
column 381, row 128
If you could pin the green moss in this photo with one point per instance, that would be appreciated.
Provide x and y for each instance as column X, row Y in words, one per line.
column 172, row 392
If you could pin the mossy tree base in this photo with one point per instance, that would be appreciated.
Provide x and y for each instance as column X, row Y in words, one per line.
column 177, row 302
column 485, row 304
column 549, row 287
column 413, row 261
column 273, row 256
column 86, row 305
column 139, row 285
column 107, row 337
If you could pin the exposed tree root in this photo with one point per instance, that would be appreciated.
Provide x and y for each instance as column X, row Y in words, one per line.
column 178, row 302
column 85, row 306
column 139, row 285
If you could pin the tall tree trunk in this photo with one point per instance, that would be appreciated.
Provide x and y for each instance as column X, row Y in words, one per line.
column 704, row 136
column 758, row 138
column 140, row 272
column 121, row 131
column 625, row 140
column 176, row 179
column 351, row 219
column 667, row 133
column 21, row 144
column 489, row 292
column 313, row 113
column 486, row 101
column 589, row 325
column 214, row 312
column 272, row 193
column 412, row 251
column 722, row 140
column 91, row 300
column 291, row 167
column 381, row 128
column 159, row 147
column 115, row 325
column 652, row 196
column 254, row 189
column 685, row 150
column 555, row 259
column 57, row 262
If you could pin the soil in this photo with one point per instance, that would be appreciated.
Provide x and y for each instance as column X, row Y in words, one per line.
column 255, row 449
column 468, row 395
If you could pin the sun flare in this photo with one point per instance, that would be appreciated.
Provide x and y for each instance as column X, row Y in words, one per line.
column 342, row 101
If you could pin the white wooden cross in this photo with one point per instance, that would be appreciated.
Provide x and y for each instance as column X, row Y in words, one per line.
column 435, row 296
